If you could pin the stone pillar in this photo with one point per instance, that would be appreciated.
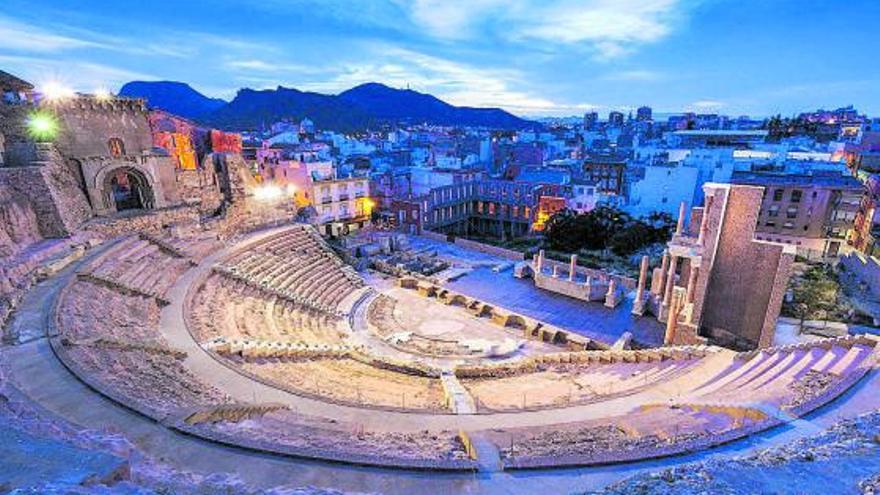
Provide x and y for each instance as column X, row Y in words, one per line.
column 611, row 297
column 692, row 283
column 704, row 221
column 671, row 321
column 664, row 267
column 670, row 281
column 555, row 271
column 679, row 227
column 639, row 304
column 540, row 264
column 572, row 266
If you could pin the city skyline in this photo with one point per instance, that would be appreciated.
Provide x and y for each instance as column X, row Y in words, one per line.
column 532, row 59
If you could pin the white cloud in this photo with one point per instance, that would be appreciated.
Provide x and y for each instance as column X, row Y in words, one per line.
column 611, row 28
column 19, row 36
column 80, row 75
column 454, row 82
column 706, row 105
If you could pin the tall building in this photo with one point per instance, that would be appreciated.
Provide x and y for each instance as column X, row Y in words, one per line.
column 615, row 119
column 590, row 119
column 644, row 114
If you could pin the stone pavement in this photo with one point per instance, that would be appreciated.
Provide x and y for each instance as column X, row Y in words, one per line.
column 591, row 319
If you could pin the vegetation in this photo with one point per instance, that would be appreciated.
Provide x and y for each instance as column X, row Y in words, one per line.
column 815, row 294
column 606, row 228
column 778, row 128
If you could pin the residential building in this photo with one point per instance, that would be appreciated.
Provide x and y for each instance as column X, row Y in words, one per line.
column 816, row 213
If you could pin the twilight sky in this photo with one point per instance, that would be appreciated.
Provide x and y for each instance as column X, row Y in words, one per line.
column 532, row 57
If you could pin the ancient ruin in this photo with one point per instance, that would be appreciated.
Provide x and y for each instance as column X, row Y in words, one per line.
column 171, row 292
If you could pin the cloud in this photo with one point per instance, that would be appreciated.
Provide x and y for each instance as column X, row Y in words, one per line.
column 81, row 75
column 454, row 82
column 19, row 36
column 610, row 28
column 706, row 105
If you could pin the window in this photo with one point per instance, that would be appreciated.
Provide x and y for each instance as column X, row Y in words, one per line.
column 796, row 196
column 788, row 225
column 773, row 211
column 770, row 224
column 117, row 147
column 791, row 213
column 777, row 195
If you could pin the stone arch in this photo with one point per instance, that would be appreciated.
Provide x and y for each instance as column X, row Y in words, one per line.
column 126, row 187
column 515, row 321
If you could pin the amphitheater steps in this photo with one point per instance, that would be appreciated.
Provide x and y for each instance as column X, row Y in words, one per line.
column 796, row 368
column 850, row 360
column 735, row 372
column 777, row 359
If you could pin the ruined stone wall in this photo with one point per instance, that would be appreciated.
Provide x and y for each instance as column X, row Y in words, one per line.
column 563, row 267
column 199, row 187
column 744, row 290
column 150, row 222
column 18, row 222
column 507, row 254
column 87, row 124
column 13, row 119
column 54, row 193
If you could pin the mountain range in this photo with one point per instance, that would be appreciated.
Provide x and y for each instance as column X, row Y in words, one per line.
column 366, row 106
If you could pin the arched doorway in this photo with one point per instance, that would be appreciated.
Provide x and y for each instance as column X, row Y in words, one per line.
column 128, row 189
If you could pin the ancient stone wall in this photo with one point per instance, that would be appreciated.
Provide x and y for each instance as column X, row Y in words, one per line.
column 18, row 222
column 87, row 125
column 563, row 267
column 150, row 222
column 741, row 302
column 489, row 249
column 56, row 198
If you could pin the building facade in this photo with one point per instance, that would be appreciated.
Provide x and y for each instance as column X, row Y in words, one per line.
column 815, row 213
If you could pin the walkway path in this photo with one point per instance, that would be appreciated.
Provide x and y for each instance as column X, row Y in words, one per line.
column 462, row 402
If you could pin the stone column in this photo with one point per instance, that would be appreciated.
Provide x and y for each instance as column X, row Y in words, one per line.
column 671, row 322
column 692, row 283
column 704, row 221
column 571, row 268
column 611, row 299
column 643, row 278
column 664, row 267
column 540, row 264
column 670, row 281
column 679, row 227
column 555, row 271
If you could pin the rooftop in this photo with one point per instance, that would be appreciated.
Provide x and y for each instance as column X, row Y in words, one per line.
column 815, row 180
column 8, row 82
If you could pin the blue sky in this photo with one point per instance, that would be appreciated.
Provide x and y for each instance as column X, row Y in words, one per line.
column 531, row 57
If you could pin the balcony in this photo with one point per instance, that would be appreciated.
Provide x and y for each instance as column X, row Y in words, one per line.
column 326, row 200
column 343, row 197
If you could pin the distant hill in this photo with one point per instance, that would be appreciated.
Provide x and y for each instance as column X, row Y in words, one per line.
column 175, row 97
column 366, row 106
column 406, row 105
column 252, row 109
